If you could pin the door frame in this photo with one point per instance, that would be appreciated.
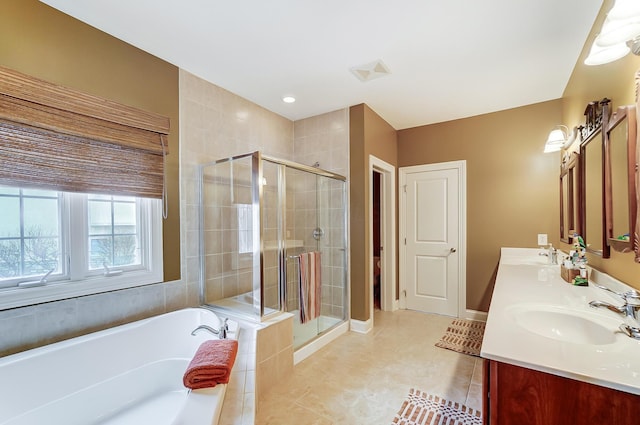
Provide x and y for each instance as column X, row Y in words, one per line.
column 387, row 172
column 461, row 167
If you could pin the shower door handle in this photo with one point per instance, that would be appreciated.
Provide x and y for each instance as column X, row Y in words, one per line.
column 318, row 233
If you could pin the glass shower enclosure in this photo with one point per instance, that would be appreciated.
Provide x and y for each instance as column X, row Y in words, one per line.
column 257, row 215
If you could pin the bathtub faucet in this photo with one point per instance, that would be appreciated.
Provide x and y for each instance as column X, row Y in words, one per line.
column 224, row 329
column 222, row 332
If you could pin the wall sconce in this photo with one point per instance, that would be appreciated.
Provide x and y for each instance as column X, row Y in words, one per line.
column 619, row 35
column 556, row 140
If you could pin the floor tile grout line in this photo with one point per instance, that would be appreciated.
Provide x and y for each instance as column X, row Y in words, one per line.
column 393, row 332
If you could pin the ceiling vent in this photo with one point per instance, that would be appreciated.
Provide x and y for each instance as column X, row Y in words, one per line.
column 370, row 71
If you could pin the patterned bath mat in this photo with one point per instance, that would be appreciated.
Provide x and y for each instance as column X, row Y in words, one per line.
column 463, row 336
column 420, row 408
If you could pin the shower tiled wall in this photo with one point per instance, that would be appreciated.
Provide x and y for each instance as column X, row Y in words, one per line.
column 323, row 141
column 218, row 124
column 227, row 213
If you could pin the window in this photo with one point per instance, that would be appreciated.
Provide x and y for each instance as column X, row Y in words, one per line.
column 71, row 144
column 30, row 234
column 113, row 231
column 82, row 243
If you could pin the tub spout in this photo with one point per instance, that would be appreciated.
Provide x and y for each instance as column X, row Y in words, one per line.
column 205, row 328
column 222, row 332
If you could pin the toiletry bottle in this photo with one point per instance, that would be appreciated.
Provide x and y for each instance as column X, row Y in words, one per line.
column 583, row 271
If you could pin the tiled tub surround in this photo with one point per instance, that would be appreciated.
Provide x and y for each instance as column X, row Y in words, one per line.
column 524, row 283
column 33, row 326
column 128, row 374
column 265, row 357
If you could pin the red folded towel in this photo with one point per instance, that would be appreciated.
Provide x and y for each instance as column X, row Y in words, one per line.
column 211, row 364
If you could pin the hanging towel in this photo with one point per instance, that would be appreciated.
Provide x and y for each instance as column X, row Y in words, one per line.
column 309, row 284
column 212, row 364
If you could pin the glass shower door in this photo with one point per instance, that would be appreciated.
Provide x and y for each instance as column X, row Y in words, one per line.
column 331, row 242
column 315, row 221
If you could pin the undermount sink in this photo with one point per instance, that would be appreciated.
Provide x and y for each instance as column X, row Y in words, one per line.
column 576, row 327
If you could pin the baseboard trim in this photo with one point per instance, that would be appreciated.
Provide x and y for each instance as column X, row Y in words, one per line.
column 362, row 327
column 476, row 315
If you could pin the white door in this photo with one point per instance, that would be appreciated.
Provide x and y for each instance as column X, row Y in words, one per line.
column 433, row 225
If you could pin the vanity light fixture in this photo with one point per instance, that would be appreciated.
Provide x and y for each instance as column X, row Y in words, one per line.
column 599, row 55
column 556, row 140
column 288, row 99
column 619, row 35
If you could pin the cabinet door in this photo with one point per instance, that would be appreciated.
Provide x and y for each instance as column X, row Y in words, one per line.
column 486, row 389
column 527, row 397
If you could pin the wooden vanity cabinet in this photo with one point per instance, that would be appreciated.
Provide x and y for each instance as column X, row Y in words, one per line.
column 514, row 395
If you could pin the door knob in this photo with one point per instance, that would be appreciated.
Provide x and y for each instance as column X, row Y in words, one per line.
column 452, row 250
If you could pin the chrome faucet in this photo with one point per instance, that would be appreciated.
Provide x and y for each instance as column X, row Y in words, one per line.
column 222, row 332
column 224, row 329
column 630, row 308
column 630, row 331
column 551, row 253
column 624, row 309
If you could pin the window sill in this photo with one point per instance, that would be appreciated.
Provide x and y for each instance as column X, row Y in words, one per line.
column 56, row 291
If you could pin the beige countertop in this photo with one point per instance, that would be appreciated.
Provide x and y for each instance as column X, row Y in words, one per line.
column 538, row 321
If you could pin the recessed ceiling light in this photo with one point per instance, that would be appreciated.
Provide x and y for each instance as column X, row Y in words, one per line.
column 288, row 99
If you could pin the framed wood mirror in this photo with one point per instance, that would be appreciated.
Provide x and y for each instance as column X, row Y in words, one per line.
column 569, row 220
column 620, row 170
column 635, row 229
column 592, row 178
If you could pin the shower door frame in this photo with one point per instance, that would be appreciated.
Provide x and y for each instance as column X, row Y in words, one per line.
column 282, row 255
column 257, row 195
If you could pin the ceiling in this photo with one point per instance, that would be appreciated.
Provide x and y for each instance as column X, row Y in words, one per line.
column 447, row 59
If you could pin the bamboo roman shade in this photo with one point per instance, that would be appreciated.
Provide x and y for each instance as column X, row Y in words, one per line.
column 58, row 138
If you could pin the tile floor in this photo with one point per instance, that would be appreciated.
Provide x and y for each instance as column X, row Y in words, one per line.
column 363, row 379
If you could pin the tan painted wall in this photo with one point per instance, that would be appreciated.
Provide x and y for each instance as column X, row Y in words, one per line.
column 616, row 82
column 512, row 187
column 40, row 41
column 369, row 135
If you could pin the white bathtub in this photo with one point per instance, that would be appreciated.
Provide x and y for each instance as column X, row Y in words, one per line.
column 130, row 374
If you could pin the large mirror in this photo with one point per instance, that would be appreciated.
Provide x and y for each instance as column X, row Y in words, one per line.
column 635, row 229
column 569, row 197
column 592, row 178
column 620, row 192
